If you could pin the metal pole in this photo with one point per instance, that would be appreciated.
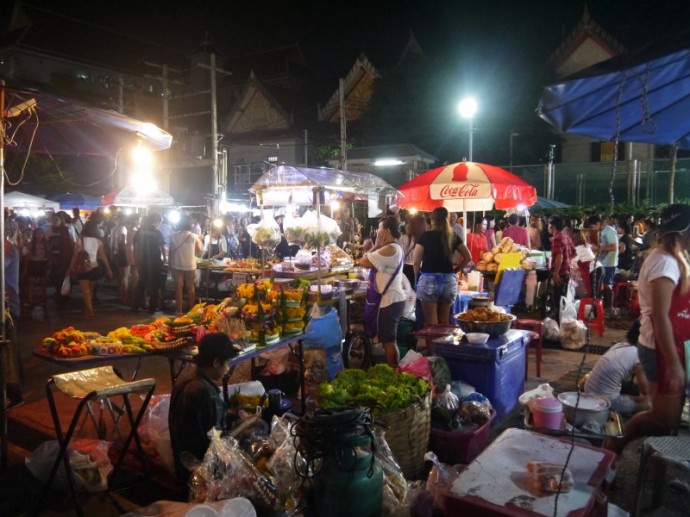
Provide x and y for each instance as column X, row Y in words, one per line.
column 3, row 334
column 214, row 136
column 343, row 127
column 471, row 139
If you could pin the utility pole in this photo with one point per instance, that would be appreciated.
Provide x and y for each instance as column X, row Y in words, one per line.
column 220, row 184
column 343, row 127
column 512, row 134
column 164, row 78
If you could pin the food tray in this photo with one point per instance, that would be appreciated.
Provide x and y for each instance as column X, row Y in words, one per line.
column 613, row 428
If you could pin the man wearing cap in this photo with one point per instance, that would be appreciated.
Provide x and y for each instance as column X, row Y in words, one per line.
column 196, row 405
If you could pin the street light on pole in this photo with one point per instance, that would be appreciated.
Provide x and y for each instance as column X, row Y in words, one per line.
column 467, row 109
column 512, row 135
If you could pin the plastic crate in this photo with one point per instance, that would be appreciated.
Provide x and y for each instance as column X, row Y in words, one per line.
column 454, row 447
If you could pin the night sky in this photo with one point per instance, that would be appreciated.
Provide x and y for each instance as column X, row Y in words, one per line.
column 467, row 32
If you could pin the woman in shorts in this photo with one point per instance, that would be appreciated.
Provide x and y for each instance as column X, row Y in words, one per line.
column 434, row 252
column 664, row 285
column 89, row 241
column 387, row 257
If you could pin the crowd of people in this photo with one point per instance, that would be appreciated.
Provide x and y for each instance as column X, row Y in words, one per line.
column 128, row 247
column 420, row 254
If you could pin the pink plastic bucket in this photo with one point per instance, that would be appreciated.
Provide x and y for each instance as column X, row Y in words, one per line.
column 547, row 413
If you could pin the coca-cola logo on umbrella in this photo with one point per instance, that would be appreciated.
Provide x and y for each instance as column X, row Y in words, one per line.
column 460, row 181
column 466, row 190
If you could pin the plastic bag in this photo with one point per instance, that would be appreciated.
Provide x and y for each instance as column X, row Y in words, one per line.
column 319, row 230
column 543, row 390
column 266, row 233
column 573, row 334
column 155, row 434
column 323, row 331
column 395, row 485
column 440, row 479
column 281, row 463
column 551, row 329
column 226, row 472
column 416, row 364
column 66, row 288
column 568, row 310
column 88, row 460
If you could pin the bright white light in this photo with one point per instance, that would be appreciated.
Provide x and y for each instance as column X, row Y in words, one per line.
column 142, row 157
column 106, row 210
column 413, row 211
column 174, row 216
column 388, row 162
column 521, row 208
column 24, row 212
column 143, row 182
column 128, row 211
column 467, row 107
column 218, row 222
column 335, row 206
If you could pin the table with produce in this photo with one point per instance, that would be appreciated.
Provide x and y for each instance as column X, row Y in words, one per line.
column 255, row 315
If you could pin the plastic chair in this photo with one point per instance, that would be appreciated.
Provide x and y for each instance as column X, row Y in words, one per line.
column 593, row 321
column 89, row 386
column 660, row 452
column 537, row 328
column 620, row 299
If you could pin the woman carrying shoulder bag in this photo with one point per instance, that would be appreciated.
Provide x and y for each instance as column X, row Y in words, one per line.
column 89, row 242
column 387, row 257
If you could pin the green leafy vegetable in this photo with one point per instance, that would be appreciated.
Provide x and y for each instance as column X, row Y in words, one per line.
column 380, row 388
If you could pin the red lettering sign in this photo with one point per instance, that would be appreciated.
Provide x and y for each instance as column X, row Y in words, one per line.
column 466, row 190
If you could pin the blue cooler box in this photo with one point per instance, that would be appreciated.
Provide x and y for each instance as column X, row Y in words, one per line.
column 496, row 369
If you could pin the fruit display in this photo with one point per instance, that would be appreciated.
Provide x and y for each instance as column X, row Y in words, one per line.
column 260, row 312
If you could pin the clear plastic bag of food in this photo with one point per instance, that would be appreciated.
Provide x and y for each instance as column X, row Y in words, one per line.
column 266, row 233
column 394, row 482
column 226, row 472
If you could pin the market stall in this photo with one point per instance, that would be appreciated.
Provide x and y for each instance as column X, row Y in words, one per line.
column 470, row 186
column 315, row 233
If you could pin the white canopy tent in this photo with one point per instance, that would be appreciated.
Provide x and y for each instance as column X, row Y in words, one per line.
column 19, row 200
column 130, row 196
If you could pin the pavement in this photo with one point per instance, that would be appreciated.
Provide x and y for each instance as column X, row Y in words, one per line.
column 30, row 425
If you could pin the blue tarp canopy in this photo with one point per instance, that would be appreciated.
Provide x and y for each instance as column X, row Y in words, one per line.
column 70, row 200
column 629, row 98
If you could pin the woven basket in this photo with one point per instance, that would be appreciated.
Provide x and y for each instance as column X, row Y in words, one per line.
column 408, row 435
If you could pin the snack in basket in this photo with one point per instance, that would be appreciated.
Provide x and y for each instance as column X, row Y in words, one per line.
column 483, row 314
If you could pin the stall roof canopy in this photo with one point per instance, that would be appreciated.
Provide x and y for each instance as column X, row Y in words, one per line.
column 299, row 182
column 18, row 199
column 131, row 196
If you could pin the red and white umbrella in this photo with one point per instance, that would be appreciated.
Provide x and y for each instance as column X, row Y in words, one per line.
column 466, row 186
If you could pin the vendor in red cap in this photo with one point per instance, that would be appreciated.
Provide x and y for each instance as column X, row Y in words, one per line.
column 196, row 404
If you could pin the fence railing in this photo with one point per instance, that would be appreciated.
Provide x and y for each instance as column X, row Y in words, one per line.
column 635, row 182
